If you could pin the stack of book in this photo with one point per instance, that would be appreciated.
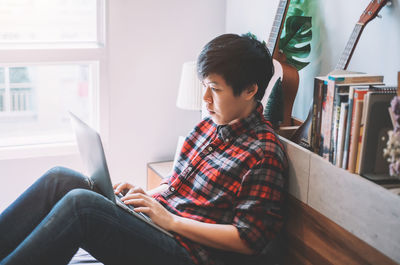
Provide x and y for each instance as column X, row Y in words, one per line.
column 351, row 120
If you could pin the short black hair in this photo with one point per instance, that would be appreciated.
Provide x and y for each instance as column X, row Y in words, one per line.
column 241, row 60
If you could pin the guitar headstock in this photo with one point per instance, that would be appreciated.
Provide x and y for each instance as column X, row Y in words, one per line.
column 372, row 11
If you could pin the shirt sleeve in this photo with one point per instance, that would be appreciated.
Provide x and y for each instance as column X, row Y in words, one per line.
column 259, row 206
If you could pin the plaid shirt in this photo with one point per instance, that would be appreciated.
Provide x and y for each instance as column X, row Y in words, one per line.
column 232, row 174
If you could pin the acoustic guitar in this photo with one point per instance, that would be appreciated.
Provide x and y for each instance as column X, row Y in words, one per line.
column 302, row 135
column 288, row 74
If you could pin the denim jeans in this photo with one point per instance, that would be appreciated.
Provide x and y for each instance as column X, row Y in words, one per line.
column 59, row 214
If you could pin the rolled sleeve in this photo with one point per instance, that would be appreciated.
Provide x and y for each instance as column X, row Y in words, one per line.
column 259, row 208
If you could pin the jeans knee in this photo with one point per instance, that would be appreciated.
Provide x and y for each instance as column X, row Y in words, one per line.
column 64, row 177
column 80, row 199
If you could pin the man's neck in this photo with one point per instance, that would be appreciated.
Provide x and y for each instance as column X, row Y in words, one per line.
column 247, row 111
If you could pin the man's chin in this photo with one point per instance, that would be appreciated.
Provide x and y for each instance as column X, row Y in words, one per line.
column 217, row 121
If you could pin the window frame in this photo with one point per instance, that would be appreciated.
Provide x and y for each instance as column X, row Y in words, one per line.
column 61, row 53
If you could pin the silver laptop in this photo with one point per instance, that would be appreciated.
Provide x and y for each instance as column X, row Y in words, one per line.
column 93, row 157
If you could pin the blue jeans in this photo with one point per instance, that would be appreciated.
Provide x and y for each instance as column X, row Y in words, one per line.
column 59, row 214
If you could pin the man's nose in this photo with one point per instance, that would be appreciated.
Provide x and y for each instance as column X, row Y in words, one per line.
column 207, row 95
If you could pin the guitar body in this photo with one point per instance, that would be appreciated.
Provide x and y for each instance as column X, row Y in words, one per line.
column 290, row 83
column 288, row 74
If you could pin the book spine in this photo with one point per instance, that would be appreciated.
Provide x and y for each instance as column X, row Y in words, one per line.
column 346, row 147
column 355, row 135
column 359, row 94
column 323, row 113
column 317, row 138
column 341, row 132
column 361, row 79
column 334, row 127
column 357, row 170
column 317, row 85
column 327, row 120
column 361, row 145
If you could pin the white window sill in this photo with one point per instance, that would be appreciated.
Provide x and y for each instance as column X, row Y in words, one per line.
column 38, row 150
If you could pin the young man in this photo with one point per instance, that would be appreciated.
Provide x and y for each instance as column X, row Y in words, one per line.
column 223, row 202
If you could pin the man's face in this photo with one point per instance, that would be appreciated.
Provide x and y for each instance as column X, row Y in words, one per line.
column 223, row 106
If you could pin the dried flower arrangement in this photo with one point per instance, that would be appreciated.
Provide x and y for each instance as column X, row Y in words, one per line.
column 392, row 150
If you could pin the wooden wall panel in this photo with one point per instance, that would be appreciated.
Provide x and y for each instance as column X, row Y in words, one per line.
column 314, row 239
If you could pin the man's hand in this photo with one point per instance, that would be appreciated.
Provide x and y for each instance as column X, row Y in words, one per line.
column 145, row 204
column 125, row 188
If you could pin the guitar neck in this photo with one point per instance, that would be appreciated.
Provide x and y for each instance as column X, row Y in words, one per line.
column 277, row 26
column 350, row 47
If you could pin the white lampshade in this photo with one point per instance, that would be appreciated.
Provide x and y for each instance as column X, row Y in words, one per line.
column 190, row 88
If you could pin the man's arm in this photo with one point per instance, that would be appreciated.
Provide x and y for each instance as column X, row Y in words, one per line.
column 221, row 236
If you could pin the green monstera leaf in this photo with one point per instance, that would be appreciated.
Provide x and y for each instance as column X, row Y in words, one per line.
column 296, row 41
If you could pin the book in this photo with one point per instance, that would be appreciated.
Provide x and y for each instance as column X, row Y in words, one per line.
column 335, row 81
column 344, row 106
column 326, row 119
column 359, row 78
column 356, row 93
column 320, row 84
column 347, row 134
column 355, row 132
column 341, row 96
column 359, row 94
column 376, row 124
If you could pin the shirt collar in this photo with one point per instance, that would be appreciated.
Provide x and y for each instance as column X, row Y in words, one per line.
column 230, row 131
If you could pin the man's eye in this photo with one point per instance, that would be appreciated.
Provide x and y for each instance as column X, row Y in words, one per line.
column 214, row 89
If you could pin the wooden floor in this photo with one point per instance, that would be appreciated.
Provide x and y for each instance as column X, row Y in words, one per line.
column 314, row 239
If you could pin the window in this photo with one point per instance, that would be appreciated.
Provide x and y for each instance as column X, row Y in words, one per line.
column 36, row 99
column 52, row 55
column 15, row 90
column 50, row 22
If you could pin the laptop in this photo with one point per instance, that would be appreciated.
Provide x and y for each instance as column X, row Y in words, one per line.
column 93, row 157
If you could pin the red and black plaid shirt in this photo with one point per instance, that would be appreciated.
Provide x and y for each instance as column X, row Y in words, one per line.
column 231, row 174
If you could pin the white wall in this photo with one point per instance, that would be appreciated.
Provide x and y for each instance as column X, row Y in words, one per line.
column 333, row 21
column 149, row 41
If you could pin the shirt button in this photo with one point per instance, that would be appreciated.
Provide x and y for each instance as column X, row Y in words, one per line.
column 227, row 140
column 171, row 189
column 209, row 148
column 189, row 168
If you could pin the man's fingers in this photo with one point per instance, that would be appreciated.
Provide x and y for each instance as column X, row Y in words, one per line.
column 136, row 190
column 122, row 186
column 134, row 196
column 135, row 202
column 145, row 210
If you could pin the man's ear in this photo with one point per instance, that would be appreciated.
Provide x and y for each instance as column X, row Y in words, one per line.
column 251, row 91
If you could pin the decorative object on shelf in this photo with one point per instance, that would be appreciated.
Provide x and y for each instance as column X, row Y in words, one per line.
column 190, row 91
column 392, row 150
